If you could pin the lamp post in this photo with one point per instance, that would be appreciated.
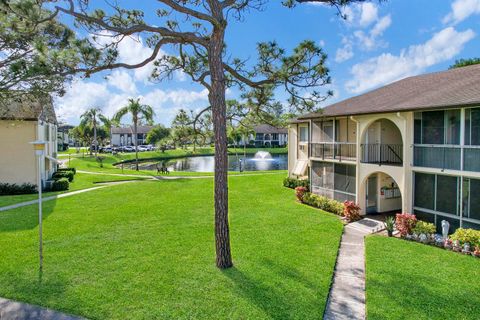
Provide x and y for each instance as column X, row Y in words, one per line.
column 39, row 147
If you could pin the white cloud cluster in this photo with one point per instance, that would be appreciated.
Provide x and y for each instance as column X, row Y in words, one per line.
column 461, row 10
column 369, row 29
column 413, row 60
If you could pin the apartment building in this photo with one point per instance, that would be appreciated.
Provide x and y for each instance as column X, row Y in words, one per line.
column 411, row 146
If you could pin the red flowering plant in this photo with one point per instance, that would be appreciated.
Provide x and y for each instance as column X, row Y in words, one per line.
column 351, row 211
column 300, row 192
column 405, row 222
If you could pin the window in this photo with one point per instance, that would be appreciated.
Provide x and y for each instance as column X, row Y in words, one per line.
column 437, row 127
column 471, row 200
column 447, row 196
column 472, row 126
column 424, row 190
column 274, row 136
column 303, row 134
column 259, row 136
column 345, row 178
column 433, row 126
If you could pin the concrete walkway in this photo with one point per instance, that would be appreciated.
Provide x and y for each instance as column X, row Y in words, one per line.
column 12, row 310
column 62, row 195
column 347, row 294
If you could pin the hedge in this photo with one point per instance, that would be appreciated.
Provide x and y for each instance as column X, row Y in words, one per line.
column 68, row 169
column 323, row 203
column 63, row 174
column 13, row 188
column 61, row 184
column 293, row 183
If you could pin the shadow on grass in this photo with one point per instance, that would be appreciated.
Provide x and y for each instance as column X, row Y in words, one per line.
column 25, row 218
column 276, row 302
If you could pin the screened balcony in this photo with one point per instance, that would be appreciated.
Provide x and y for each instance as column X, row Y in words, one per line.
column 440, row 144
column 334, row 139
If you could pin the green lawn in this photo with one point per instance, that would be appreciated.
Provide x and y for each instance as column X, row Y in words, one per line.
column 81, row 181
column 407, row 280
column 145, row 250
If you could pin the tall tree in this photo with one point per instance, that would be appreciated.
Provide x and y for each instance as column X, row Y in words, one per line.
column 195, row 31
column 157, row 134
column 182, row 128
column 91, row 118
column 37, row 50
column 464, row 62
column 138, row 112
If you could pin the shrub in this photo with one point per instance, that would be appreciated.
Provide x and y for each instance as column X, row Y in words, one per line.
column 390, row 225
column 300, row 192
column 63, row 174
column 424, row 227
column 351, row 211
column 293, row 183
column 323, row 203
column 405, row 223
column 467, row 235
column 61, row 184
column 68, row 169
column 13, row 188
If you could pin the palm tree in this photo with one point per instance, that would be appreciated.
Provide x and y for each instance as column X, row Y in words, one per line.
column 138, row 111
column 91, row 117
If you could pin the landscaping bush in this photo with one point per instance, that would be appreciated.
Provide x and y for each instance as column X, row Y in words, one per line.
column 68, row 169
column 293, row 183
column 63, row 174
column 13, row 188
column 466, row 236
column 300, row 192
column 405, row 222
column 351, row 211
column 323, row 203
column 61, row 184
column 424, row 227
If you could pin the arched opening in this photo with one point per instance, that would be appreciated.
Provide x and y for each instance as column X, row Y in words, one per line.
column 382, row 194
column 382, row 143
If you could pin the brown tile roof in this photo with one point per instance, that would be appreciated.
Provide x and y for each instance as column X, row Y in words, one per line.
column 451, row 88
column 129, row 129
column 27, row 107
column 266, row 128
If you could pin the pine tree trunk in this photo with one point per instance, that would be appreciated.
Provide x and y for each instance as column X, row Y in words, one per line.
column 217, row 101
column 95, row 143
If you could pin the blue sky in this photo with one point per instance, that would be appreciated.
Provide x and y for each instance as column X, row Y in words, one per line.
column 379, row 43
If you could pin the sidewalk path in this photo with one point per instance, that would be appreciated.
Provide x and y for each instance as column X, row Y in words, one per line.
column 347, row 294
column 12, row 310
column 62, row 195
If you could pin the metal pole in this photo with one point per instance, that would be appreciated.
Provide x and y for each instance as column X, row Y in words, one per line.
column 40, row 238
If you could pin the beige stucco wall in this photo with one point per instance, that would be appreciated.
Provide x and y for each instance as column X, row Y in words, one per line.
column 17, row 160
column 18, row 163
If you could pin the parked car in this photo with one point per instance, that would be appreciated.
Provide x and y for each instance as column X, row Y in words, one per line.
column 143, row 148
column 128, row 149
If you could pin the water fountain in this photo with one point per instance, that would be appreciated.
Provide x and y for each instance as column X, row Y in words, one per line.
column 263, row 156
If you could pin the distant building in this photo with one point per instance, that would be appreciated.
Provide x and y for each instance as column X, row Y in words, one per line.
column 24, row 119
column 123, row 136
column 266, row 135
column 64, row 140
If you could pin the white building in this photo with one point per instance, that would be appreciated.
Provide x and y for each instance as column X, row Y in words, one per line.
column 124, row 136
column 411, row 146
column 24, row 119
column 266, row 135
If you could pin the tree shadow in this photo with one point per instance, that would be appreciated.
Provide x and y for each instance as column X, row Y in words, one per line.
column 25, row 218
column 277, row 301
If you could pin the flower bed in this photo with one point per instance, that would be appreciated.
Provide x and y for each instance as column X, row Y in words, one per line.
column 466, row 241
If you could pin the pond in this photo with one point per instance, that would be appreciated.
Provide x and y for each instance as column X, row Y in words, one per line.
column 257, row 162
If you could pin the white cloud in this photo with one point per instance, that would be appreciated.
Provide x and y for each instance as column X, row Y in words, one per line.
column 120, row 79
column 346, row 52
column 461, row 10
column 82, row 95
column 368, row 13
column 387, row 68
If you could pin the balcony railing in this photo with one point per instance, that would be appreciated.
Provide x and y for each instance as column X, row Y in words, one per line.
column 335, row 151
column 447, row 157
column 390, row 154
